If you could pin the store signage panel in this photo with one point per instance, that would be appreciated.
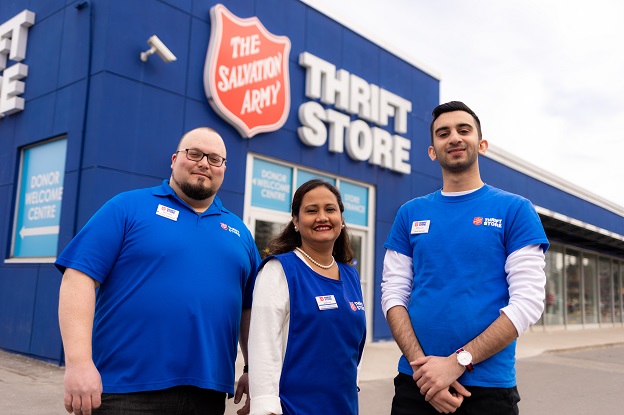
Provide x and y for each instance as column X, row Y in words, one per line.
column 271, row 186
column 355, row 200
column 304, row 175
column 39, row 200
column 246, row 73
column 247, row 83
column 350, row 94
column 13, row 41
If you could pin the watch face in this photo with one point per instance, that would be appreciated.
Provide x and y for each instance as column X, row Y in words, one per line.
column 464, row 358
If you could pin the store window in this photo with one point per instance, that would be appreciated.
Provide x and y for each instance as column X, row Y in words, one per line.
column 573, row 287
column 590, row 292
column 554, row 303
column 38, row 202
column 582, row 288
column 270, row 186
column 618, row 293
column 605, row 284
column 304, row 175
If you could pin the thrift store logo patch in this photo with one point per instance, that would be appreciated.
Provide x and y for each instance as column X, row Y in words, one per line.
column 497, row 223
column 227, row 227
column 356, row 305
column 246, row 73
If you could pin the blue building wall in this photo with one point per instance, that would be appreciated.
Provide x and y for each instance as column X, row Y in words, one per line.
column 550, row 197
column 123, row 118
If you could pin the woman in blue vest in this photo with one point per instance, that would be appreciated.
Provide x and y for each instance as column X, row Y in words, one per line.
column 307, row 325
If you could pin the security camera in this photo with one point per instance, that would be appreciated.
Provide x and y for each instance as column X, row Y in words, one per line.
column 160, row 48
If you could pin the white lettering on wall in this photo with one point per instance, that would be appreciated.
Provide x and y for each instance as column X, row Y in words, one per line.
column 13, row 41
column 351, row 94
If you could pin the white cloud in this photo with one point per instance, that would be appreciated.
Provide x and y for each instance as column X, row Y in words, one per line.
column 546, row 78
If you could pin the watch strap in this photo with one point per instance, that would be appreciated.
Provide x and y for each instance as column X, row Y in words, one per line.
column 469, row 367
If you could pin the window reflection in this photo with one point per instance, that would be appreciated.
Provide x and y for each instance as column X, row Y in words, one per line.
column 554, row 301
column 573, row 287
column 582, row 288
column 605, row 284
column 589, row 287
column 264, row 232
column 618, row 293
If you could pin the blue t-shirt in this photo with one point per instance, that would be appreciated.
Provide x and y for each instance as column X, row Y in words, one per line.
column 459, row 245
column 173, row 285
column 326, row 337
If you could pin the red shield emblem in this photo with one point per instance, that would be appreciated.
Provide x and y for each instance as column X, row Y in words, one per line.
column 246, row 73
column 477, row 220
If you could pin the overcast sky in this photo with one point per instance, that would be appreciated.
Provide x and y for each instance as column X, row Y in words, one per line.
column 545, row 77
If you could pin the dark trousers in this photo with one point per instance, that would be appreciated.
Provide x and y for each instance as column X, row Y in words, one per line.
column 484, row 401
column 179, row 400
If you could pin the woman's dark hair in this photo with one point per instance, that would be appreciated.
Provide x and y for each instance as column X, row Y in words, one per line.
column 290, row 239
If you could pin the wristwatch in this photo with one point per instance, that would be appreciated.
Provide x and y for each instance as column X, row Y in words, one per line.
column 464, row 358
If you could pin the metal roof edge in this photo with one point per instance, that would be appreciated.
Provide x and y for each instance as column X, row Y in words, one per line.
column 363, row 32
column 544, row 176
column 578, row 223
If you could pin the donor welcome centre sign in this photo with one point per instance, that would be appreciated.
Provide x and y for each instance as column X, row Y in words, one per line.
column 39, row 200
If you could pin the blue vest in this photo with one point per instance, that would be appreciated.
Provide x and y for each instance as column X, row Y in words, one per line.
column 324, row 345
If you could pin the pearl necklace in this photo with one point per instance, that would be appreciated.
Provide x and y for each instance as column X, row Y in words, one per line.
column 314, row 262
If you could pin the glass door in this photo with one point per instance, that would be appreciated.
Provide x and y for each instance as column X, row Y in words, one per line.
column 265, row 226
column 269, row 188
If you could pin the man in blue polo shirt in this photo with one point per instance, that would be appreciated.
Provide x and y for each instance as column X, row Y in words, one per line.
column 463, row 278
column 156, row 288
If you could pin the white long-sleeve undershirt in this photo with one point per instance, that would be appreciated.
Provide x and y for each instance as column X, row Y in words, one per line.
column 268, row 337
column 525, row 278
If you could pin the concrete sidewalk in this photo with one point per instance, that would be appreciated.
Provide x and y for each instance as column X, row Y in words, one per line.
column 31, row 386
column 381, row 358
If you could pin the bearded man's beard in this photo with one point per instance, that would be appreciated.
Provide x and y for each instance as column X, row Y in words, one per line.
column 195, row 191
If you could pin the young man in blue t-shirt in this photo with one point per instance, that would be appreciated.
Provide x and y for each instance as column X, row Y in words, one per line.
column 463, row 278
column 156, row 288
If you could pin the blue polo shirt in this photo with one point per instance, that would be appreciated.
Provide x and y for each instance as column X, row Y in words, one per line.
column 173, row 285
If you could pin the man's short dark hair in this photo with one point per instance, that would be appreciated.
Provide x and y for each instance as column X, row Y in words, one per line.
column 450, row 107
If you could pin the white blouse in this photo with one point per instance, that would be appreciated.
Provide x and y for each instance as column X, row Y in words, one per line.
column 268, row 337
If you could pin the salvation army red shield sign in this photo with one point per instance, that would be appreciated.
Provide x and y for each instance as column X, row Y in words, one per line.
column 246, row 73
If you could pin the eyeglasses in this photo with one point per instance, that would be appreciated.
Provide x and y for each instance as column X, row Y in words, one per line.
column 194, row 154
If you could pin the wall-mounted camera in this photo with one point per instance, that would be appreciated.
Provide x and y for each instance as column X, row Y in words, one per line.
column 157, row 46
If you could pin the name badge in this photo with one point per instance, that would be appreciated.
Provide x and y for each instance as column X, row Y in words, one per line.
column 420, row 226
column 167, row 212
column 326, row 302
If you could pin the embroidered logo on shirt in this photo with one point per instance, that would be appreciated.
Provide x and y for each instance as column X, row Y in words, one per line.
column 227, row 227
column 356, row 305
column 420, row 226
column 497, row 223
column 167, row 212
